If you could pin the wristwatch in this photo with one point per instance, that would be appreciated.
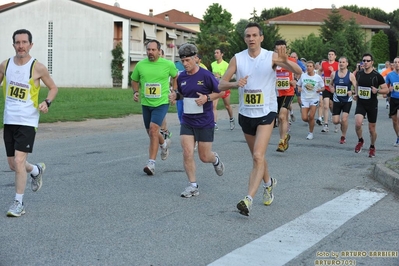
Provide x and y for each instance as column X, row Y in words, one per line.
column 48, row 102
column 209, row 98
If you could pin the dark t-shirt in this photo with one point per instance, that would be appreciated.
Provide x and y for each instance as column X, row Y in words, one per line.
column 205, row 83
column 364, row 83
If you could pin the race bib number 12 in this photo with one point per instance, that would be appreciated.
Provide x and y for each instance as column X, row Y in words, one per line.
column 152, row 90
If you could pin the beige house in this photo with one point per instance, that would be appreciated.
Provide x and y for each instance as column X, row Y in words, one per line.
column 300, row 24
column 74, row 38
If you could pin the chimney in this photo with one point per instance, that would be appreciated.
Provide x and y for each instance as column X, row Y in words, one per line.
column 166, row 17
column 151, row 14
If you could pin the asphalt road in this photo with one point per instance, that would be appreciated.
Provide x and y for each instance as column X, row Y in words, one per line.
column 98, row 207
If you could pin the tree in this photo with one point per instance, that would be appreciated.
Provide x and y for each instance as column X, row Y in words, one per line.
column 215, row 28
column 345, row 37
column 310, row 47
column 380, row 47
column 274, row 12
column 117, row 65
column 334, row 23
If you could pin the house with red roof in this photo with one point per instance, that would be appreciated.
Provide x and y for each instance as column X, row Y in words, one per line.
column 302, row 23
column 74, row 38
column 181, row 18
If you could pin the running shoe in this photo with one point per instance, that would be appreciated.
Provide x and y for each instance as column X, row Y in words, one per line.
column 359, row 147
column 286, row 141
column 342, row 140
column 165, row 151
column 189, row 192
column 325, row 128
column 336, row 128
column 396, row 143
column 310, row 136
column 166, row 134
column 37, row 181
column 268, row 193
column 149, row 169
column 16, row 209
column 292, row 117
column 387, row 105
column 244, row 206
column 280, row 147
column 372, row 152
column 219, row 168
column 319, row 122
column 216, row 127
column 232, row 124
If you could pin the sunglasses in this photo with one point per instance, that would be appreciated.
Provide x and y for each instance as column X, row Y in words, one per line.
column 364, row 60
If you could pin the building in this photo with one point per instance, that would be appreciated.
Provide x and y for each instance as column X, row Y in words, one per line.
column 302, row 23
column 181, row 18
column 74, row 38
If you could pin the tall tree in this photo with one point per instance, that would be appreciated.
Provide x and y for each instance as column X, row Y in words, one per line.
column 334, row 23
column 215, row 28
column 274, row 12
column 380, row 47
column 310, row 47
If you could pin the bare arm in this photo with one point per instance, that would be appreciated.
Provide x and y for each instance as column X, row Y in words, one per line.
column 353, row 80
column 2, row 69
column 224, row 82
column 332, row 88
column 135, row 87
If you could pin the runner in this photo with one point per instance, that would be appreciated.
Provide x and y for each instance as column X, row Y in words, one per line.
column 341, row 85
column 368, row 83
column 219, row 67
column 285, row 88
column 198, row 88
column 150, row 83
column 327, row 68
column 392, row 80
column 256, row 81
column 310, row 85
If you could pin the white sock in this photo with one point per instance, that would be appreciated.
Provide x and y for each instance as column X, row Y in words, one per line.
column 19, row 197
column 35, row 170
column 151, row 161
column 217, row 161
column 163, row 146
column 249, row 197
column 268, row 184
column 194, row 184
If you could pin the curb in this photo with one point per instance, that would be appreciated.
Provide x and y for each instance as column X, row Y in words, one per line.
column 387, row 177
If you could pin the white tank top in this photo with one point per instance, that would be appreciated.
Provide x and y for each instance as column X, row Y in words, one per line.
column 258, row 98
column 21, row 95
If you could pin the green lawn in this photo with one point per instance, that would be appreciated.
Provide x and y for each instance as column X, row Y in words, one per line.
column 78, row 104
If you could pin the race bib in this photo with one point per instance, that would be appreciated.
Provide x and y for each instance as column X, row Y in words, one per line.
column 191, row 107
column 364, row 92
column 152, row 90
column 341, row 90
column 253, row 100
column 396, row 86
column 283, row 83
column 18, row 93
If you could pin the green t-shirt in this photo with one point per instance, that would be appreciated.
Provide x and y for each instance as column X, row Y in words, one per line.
column 153, row 78
column 219, row 68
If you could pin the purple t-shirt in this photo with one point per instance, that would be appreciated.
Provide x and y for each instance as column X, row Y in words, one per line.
column 188, row 85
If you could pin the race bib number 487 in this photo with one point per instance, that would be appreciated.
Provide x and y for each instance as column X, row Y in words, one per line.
column 253, row 99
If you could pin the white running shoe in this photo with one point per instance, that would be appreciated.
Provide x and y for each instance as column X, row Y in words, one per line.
column 310, row 136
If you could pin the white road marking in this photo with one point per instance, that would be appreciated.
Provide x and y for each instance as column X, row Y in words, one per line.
column 290, row 240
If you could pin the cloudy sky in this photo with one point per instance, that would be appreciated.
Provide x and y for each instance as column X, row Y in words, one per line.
column 238, row 11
